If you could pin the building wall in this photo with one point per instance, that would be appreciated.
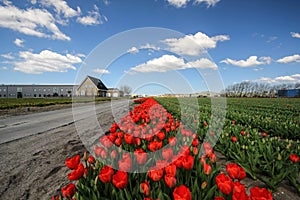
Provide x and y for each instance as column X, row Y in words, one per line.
column 35, row 91
column 114, row 93
column 289, row 93
column 88, row 88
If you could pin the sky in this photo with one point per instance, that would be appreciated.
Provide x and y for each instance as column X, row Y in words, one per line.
column 154, row 46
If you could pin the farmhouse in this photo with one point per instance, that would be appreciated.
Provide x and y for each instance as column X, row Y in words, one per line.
column 91, row 86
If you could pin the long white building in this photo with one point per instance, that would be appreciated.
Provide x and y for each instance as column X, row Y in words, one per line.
column 35, row 91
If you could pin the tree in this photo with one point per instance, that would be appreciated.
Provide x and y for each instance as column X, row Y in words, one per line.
column 126, row 89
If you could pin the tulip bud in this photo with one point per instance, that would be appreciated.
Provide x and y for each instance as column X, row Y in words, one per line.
column 97, row 165
column 96, row 180
column 279, row 157
column 203, row 185
column 85, row 156
column 252, row 143
column 226, row 134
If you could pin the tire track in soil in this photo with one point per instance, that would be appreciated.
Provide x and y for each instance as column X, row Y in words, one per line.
column 33, row 167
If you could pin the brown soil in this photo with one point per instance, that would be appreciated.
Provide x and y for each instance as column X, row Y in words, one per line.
column 33, row 167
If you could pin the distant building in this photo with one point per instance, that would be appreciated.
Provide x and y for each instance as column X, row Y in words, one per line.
column 35, row 91
column 91, row 86
column 114, row 92
column 288, row 93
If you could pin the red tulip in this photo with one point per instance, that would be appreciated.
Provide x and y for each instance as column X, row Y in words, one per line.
column 239, row 192
column 234, row 139
column 172, row 141
column 294, row 158
column 141, row 156
column 195, row 142
column 167, row 153
column 224, row 184
column 260, row 194
column 126, row 163
column 207, row 169
column 106, row 142
column 235, row 171
column 145, row 188
column 182, row 193
column 91, row 159
column 170, row 181
column 72, row 163
column 219, row 198
column 106, row 174
column 155, row 174
column 77, row 173
column 129, row 139
column 161, row 136
column 69, row 190
column 171, row 170
column 120, row 179
column 188, row 162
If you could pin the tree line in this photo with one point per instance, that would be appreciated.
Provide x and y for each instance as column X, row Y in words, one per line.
column 254, row 89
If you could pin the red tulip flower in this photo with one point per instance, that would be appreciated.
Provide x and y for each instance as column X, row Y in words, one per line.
column 260, row 194
column 106, row 174
column 120, row 179
column 182, row 193
column 69, row 190
column 72, row 163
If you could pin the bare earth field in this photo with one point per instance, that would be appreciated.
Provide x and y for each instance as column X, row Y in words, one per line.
column 32, row 167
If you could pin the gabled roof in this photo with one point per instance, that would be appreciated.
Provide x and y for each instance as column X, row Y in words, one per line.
column 97, row 82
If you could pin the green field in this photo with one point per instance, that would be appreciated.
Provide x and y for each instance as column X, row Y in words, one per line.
column 258, row 134
column 9, row 103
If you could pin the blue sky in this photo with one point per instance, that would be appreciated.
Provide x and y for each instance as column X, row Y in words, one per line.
column 196, row 45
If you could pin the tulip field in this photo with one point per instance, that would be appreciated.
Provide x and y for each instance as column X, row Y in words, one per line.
column 164, row 148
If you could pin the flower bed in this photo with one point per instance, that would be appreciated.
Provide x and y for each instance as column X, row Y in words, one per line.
column 151, row 155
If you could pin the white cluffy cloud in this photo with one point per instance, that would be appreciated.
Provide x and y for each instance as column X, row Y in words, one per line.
column 40, row 22
column 19, row 42
column 178, row 3
column 32, row 21
column 61, row 7
column 295, row 35
column 170, row 62
column 93, row 18
column 209, row 3
column 45, row 61
column 183, row 3
column 146, row 46
column 101, row 71
column 280, row 79
column 193, row 44
column 288, row 59
column 252, row 61
column 8, row 56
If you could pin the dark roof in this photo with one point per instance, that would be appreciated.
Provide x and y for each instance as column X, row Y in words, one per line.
column 98, row 83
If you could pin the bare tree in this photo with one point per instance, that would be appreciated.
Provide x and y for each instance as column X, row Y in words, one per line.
column 126, row 89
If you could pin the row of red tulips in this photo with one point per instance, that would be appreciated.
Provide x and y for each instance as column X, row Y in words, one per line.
column 151, row 155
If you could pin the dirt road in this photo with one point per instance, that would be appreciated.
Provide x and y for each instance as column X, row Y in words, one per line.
column 34, row 147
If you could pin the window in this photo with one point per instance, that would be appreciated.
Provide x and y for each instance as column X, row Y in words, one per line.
column 0, row 89
column 85, row 86
column 62, row 89
column 34, row 89
column 40, row 95
column 0, row 95
column 34, row 95
column 4, row 90
column 44, row 89
column 91, row 86
column 4, row 95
